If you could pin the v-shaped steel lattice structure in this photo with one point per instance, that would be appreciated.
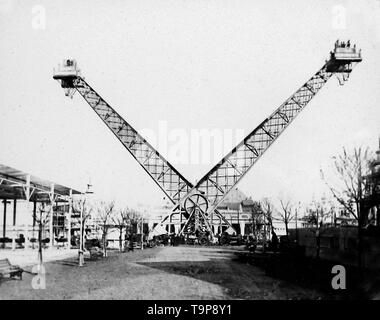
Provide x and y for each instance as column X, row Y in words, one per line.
column 197, row 203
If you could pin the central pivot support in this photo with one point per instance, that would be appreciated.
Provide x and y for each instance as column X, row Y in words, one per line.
column 197, row 228
column 196, row 202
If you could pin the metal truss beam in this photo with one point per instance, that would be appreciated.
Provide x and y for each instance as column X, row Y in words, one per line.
column 224, row 176
column 220, row 180
column 171, row 182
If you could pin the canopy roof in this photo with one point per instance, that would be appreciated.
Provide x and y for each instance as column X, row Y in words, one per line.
column 14, row 182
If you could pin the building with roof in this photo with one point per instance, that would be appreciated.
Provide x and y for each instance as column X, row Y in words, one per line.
column 239, row 210
column 21, row 194
column 371, row 197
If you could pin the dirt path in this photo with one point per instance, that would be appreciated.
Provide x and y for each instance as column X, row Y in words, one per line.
column 160, row 273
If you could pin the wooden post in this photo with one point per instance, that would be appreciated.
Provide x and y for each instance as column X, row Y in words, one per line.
column 5, row 218
column 4, row 221
column 14, row 224
column 14, row 211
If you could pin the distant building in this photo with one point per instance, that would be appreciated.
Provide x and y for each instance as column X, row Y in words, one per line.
column 371, row 201
column 343, row 218
column 337, row 215
column 239, row 210
column 331, row 214
column 22, row 196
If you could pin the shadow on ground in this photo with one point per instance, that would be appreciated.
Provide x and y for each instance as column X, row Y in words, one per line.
column 238, row 280
column 317, row 273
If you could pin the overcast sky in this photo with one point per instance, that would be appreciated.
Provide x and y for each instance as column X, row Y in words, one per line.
column 187, row 66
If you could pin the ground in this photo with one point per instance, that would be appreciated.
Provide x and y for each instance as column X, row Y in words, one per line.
column 171, row 273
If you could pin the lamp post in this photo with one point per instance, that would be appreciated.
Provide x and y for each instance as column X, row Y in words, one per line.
column 81, row 251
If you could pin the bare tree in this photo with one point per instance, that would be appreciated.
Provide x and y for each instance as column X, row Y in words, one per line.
column 286, row 215
column 120, row 221
column 350, row 167
column 315, row 218
column 268, row 209
column 133, row 218
column 256, row 219
column 78, row 206
column 42, row 219
column 105, row 211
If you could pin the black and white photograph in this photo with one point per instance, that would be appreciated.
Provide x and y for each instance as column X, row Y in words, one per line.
column 205, row 151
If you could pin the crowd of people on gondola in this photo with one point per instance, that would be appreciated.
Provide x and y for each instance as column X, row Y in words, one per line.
column 343, row 44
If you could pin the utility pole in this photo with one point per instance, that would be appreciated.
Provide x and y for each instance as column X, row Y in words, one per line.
column 81, row 247
column 80, row 252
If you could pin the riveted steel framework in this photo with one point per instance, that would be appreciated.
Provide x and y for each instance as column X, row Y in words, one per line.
column 221, row 179
column 172, row 183
column 227, row 173
column 217, row 183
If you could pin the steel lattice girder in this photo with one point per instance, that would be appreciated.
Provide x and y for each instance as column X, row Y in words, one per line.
column 216, row 184
column 228, row 172
column 221, row 179
column 172, row 183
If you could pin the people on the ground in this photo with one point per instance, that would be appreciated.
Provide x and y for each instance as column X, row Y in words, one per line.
column 125, row 242
column 274, row 241
column 130, row 246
